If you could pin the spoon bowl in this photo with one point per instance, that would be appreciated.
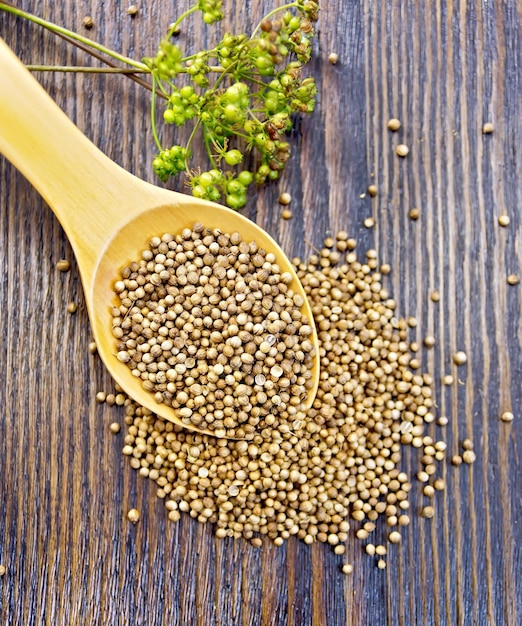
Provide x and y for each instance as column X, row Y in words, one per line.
column 108, row 214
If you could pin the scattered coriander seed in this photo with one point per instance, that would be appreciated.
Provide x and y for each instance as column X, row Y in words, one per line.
column 402, row 150
column 469, row 456
column 339, row 549
column 507, row 416
column 459, row 358
column 133, row 515
column 487, row 128
column 414, row 214
column 428, row 512
column 101, row 396
column 385, row 268
column 439, row 484
column 369, row 222
column 286, row 214
column 285, row 198
column 380, row 550
column 429, row 341
column 347, row 568
column 456, row 459
column 133, row 10
column 504, row 220
column 447, row 379
column 442, row 421
column 72, row 307
column 2, row 570
column 333, row 58
column 381, row 564
column 174, row 29
column 513, row 279
column 395, row 537
column 428, row 491
column 394, row 124
column 93, row 348
column 370, row 549
column 87, row 22
column 467, row 444
column 114, row 427
column 63, row 265
column 372, row 190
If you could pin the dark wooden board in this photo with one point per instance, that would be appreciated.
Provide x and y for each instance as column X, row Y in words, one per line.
column 444, row 68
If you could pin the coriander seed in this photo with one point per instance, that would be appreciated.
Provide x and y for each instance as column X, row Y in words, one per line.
column 507, row 416
column 369, row 222
column 93, row 348
column 372, row 190
column 114, row 428
column 72, row 307
column 394, row 124
column 460, row 358
column 513, row 279
column 428, row 512
column 133, row 10
column 2, row 570
column 347, row 568
column 456, row 459
column 503, row 220
column 468, row 456
column 285, row 198
column 487, row 128
column 133, row 516
column 87, row 22
column 63, row 265
column 381, row 564
column 101, row 396
column 395, row 537
column 447, row 380
column 429, row 341
column 333, row 58
column 402, row 150
column 435, row 296
column 286, row 214
column 414, row 214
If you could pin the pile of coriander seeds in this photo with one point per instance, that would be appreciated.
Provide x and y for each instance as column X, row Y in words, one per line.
column 212, row 327
column 340, row 460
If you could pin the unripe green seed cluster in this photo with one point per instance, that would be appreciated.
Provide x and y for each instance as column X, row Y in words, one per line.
column 213, row 328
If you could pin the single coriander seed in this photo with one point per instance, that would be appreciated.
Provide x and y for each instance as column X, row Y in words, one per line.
column 369, row 222
column 381, row 564
column 429, row 341
column 333, row 58
column 372, row 190
column 395, row 537
column 132, row 10
column 394, row 124
column 507, row 416
column 435, row 296
column 513, row 279
column 459, row 358
column 487, row 128
column 101, row 396
column 428, row 512
column 402, row 150
column 63, row 265
column 447, row 380
column 72, row 307
column 133, row 516
column 286, row 214
column 347, row 568
column 469, row 456
column 414, row 214
column 285, row 198
column 87, row 22
column 114, row 427
column 456, row 460
column 2, row 570
column 442, row 421
column 467, row 444
column 504, row 220
column 93, row 348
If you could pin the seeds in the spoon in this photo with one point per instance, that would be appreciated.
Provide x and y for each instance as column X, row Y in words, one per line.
column 184, row 324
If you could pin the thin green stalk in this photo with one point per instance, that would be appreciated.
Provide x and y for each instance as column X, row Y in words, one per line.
column 207, row 148
column 84, row 70
column 153, row 115
column 189, row 142
column 176, row 24
column 69, row 33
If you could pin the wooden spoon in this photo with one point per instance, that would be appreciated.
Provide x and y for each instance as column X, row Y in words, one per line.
column 108, row 214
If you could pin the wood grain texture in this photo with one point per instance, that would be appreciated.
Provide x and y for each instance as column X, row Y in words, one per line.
column 443, row 68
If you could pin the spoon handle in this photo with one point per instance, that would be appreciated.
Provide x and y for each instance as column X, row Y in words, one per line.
column 81, row 185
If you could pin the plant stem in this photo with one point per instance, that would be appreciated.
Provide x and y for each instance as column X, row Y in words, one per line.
column 189, row 142
column 84, row 70
column 153, row 115
column 175, row 25
column 69, row 33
